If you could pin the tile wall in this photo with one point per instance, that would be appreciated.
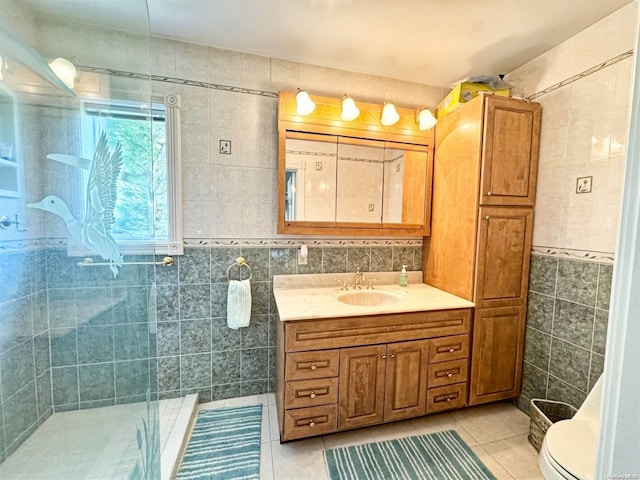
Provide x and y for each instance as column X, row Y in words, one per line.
column 197, row 352
column 102, row 332
column 583, row 85
column 567, row 317
column 25, row 371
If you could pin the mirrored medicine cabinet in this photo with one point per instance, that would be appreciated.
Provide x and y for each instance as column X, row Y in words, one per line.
column 356, row 178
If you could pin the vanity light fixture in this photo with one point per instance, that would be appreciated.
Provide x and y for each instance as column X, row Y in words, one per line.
column 304, row 104
column 349, row 109
column 64, row 70
column 425, row 119
column 390, row 115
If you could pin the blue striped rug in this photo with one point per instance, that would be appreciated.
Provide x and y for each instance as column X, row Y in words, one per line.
column 436, row 456
column 224, row 445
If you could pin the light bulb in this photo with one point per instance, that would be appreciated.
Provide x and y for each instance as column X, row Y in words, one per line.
column 426, row 120
column 349, row 109
column 304, row 104
column 389, row 115
column 64, row 70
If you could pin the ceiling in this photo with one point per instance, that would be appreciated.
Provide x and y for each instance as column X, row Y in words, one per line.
column 433, row 42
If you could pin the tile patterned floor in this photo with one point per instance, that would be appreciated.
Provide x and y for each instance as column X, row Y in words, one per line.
column 497, row 433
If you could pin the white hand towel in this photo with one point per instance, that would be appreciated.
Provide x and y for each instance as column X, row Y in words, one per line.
column 238, row 304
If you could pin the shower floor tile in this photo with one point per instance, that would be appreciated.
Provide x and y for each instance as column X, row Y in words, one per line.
column 98, row 443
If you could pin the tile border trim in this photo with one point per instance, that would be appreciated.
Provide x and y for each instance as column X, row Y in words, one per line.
column 11, row 246
column 578, row 76
column 297, row 242
column 573, row 254
column 175, row 80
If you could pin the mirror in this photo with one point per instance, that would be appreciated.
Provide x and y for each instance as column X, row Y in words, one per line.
column 339, row 180
column 9, row 165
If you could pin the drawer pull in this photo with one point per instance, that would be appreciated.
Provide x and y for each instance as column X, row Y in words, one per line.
column 451, row 349
column 313, row 395
column 313, row 366
column 489, row 194
column 312, row 423
column 445, row 398
column 449, row 374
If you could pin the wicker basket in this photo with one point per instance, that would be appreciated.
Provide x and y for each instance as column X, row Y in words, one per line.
column 545, row 413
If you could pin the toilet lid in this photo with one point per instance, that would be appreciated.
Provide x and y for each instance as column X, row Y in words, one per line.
column 572, row 444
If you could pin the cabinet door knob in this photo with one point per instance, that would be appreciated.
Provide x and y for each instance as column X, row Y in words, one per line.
column 449, row 374
column 451, row 350
column 393, row 355
column 488, row 194
column 486, row 217
column 383, row 356
column 313, row 366
column 313, row 395
column 312, row 423
column 448, row 399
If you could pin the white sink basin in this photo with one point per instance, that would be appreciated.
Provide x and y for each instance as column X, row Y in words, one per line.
column 368, row 298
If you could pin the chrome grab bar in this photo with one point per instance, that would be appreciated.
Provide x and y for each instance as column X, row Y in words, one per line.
column 88, row 262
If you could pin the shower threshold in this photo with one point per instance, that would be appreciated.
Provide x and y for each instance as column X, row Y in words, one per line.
column 100, row 443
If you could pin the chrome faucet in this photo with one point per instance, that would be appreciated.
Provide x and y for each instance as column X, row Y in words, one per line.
column 359, row 278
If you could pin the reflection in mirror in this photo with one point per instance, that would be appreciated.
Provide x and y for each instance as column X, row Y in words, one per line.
column 360, row 180
column 9, row 166
column 310, row 175
column 405, row 182
column 349, row 180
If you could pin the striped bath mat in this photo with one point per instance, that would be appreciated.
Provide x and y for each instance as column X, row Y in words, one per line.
column 225, row 444
column 436, row 456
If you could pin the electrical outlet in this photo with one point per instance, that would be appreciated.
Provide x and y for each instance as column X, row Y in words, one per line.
column 318, row 166
column 372, row 206
column 583, row 184
column 225, row 147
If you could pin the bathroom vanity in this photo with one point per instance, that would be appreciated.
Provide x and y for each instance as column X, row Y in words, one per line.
column 455, row 340
column 388, row 354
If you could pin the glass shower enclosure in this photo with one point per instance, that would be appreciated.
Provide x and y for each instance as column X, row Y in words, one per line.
column 82, row 210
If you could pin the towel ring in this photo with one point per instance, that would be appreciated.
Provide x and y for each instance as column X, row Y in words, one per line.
column 240, row 262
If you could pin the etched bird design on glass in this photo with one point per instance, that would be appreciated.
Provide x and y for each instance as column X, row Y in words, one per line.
column 94, row 231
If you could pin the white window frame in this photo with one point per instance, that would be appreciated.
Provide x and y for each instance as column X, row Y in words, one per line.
column 174, row 244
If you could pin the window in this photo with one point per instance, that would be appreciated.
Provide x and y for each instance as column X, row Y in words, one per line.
column 147, row 210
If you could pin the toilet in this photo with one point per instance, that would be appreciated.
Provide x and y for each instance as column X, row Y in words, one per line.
column 569, row 446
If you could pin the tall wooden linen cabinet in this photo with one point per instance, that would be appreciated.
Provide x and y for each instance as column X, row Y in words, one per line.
column 484, row 184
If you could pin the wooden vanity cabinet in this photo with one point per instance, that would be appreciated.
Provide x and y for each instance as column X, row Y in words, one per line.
column 485, row 169
column 382, row 383
column 361, row 371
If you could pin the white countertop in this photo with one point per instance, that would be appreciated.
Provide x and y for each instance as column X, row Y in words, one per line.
column 304, row 297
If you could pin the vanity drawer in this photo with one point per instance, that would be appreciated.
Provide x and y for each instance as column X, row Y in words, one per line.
column 307, row 365
column 446, row 398
column 448, row 348
column 374, row 329
column 307, row 393
column 306, row 422
column 447, row 373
